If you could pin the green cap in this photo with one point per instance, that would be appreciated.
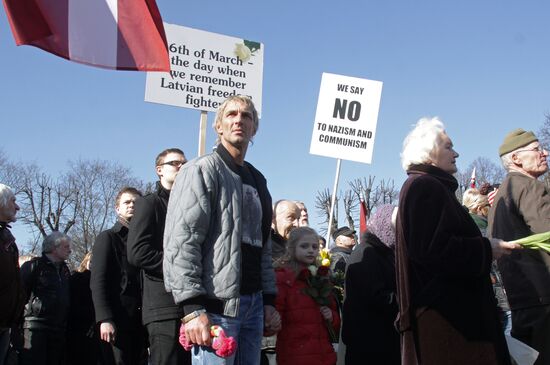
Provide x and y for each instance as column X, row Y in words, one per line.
column 516, row 139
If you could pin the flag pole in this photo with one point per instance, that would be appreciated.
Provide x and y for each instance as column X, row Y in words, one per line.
column 202, row 132
column 333, row 200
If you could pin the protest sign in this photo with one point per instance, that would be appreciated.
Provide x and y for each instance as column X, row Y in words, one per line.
column 205, row 69
column 346, row 117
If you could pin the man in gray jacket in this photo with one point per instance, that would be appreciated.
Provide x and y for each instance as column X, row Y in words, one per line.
column 522, row 208
column 217, row 251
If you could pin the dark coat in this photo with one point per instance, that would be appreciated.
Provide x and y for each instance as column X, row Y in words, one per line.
column 114, row 283
column 12, row 297
column 47, row 289
column 304, row 338
column 522, row 208
column 145, row 251
column 370, row 306
column 448, row 312
column 339, row 258
column 82, row 338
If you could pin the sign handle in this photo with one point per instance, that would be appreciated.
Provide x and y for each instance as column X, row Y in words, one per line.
column 202, row 132
column 333, row 200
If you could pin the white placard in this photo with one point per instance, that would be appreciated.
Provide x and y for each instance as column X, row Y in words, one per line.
column 206, row 68
column 345, row 121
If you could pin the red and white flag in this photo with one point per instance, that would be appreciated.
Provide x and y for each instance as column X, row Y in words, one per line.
column 491, row 196
column 362, row 216
column 473, row 179
column 115, row 34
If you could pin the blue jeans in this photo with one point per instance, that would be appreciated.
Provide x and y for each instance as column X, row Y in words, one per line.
column 246, row 328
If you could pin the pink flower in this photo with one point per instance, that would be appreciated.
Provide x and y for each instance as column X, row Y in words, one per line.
column 224, row 346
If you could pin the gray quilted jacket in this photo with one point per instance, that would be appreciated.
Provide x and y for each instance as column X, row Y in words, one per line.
column 202, row 237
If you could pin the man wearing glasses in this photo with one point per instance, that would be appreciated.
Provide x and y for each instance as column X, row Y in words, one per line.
column 217, row 261
column 522, row 208
column 160, row 314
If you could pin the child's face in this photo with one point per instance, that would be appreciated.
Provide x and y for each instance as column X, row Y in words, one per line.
column 307, row 250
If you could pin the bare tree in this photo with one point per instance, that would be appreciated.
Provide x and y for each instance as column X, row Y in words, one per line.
column 94, row 185
column 385, row 193
column 350, row 207
column 363, row 189
column 322, row 204
column 79, row 202
column 544, row 138
column 487, row 171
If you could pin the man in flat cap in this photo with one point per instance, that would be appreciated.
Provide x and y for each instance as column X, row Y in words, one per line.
column 522, row 208
column 344, row 240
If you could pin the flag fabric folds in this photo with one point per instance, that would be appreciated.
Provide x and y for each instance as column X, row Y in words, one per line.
column 115, row 34
column 362, row 216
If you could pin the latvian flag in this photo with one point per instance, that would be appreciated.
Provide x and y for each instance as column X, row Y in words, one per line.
column 115, row 34
column 491, row 196
column 473, row 179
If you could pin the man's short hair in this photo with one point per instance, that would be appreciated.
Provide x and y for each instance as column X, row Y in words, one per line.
column 53, row 240
column 126, row 189
column 507, row 161
column 242, row 99
column 160, row 158
column 5, row 195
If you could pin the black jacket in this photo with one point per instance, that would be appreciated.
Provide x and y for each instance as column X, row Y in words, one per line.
column 370, row 307
column 47, row 288
column 115, row 284
column 12, row 296
column 339, row 258
column 145, row 251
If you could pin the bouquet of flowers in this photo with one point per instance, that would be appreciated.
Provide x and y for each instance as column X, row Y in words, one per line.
column 320, row 285
column 539, row 241
column 224, row 346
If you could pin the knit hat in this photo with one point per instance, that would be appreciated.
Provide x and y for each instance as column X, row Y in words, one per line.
column 516, row 139
column 380, row 224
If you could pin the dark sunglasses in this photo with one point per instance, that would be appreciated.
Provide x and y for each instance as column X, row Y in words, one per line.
column 174, row 163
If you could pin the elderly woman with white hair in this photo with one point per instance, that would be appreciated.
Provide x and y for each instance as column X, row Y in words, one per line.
column 447, row 310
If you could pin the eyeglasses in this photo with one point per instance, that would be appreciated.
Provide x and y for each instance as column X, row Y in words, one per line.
column 538, row 149
column 175, row 163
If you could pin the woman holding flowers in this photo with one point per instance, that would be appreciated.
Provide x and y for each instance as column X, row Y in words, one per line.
column 306, row 303
column 447, row 309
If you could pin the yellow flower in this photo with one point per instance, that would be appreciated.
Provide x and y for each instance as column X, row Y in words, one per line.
column 325, row 262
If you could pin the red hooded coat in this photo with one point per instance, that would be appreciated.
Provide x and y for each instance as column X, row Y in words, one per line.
column 304, row 338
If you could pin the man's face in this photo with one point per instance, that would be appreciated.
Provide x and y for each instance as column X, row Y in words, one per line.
column 347, row 241
column 531, row 159
column 170, row 167
column 125, row 207
column 63, row 251
column 444, row 156
column 7, row 213
column 304, row 218
column 236, row 127
column 286, row 218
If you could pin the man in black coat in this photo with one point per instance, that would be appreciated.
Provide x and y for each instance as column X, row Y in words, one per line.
column 46, row 282
column 116, row 291
column 160, row 314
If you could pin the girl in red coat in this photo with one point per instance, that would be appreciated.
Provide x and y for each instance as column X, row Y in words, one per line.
column 304, row 337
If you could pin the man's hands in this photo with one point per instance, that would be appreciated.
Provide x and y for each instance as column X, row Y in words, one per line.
column 107, row 331
column 272, row 321
column 500, row 247
column 197, row 330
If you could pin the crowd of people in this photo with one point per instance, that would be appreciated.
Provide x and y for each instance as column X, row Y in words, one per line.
column 432, row 280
